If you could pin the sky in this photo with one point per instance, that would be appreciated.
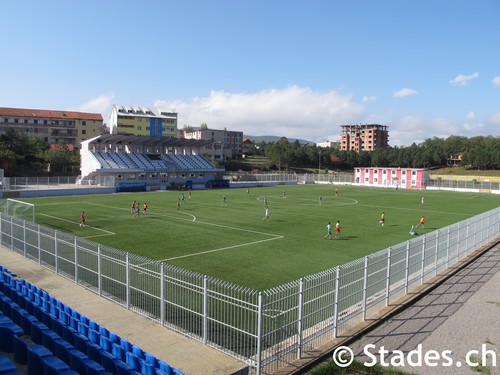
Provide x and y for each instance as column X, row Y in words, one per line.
column 299, row 69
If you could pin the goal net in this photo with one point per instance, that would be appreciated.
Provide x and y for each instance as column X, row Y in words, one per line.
column 22, row 210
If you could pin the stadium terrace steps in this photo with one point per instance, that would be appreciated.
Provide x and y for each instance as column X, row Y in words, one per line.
column 40, row 334
column 166, row 162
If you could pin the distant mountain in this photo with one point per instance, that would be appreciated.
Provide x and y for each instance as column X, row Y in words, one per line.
column 272, row 138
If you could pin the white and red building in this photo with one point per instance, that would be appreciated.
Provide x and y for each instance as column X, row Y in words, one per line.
column 405, row 178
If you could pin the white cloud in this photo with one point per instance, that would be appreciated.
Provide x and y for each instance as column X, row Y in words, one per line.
column 462, row 80
column 496, row 81
column 368, row 98
column 405, row 92
column 297, row 112
column 100, row 104
column 293, row 112
column 494, row 122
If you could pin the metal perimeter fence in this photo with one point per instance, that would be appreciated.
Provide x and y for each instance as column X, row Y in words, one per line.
column 47, row 183
column 265, row 329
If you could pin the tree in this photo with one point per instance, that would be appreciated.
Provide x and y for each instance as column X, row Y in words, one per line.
column 60, row 157
column 204, row 126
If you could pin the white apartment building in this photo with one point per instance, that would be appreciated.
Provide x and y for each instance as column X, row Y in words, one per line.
column 227, row 144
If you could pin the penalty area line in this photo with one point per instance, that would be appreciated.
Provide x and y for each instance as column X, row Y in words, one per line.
column 108, row 233
column 222, row 248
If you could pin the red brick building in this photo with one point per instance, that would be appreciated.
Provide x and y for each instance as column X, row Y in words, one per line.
column 364, row 137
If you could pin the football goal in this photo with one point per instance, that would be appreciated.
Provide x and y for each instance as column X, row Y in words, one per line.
column 22, row 210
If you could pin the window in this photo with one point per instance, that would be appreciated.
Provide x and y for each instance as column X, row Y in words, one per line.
column 375, row 180
column 25, row 120
column 366, row 179
column 384, row 171
column 45, row 122
column 357, row 170
column 366, row 170
column 413, row 173
column 84, row 131
column 16, row 121
column 403, row 173
column 394, row 172
column 376, row 171
column 84, row 122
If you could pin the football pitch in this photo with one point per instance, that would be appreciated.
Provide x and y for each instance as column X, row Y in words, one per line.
column 232, row 242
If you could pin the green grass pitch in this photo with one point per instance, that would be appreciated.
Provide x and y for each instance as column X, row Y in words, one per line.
column 233, row 242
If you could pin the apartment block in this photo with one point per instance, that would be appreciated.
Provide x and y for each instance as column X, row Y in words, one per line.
column 53, row 126
column 364, row 137
column 227, row 144
column 133, row 120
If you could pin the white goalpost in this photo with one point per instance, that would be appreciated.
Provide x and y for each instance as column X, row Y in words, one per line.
column 20, row 209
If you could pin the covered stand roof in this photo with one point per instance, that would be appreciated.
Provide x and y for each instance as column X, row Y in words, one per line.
column 141, row 140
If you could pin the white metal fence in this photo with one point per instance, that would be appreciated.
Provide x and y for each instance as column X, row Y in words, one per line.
column 265, row 329
column 47, row 183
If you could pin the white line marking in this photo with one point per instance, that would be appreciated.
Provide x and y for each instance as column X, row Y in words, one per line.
column 73, row 222
column 222, row 248
column 192, row 219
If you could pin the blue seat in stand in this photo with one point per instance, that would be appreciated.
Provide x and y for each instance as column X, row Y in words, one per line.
column 7, row 333
column 7, row 366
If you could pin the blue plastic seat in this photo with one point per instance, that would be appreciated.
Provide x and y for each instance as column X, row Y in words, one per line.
column 147, row 369
column 123, row 369
column 93, row 325
column 133, row 361
column 103, row 331
column 94, row 336
column 118, row 352
column 7, row 333
column 75, row 314
column 165, row 367
column 106, row 344
column 83, row 328
column 49, row 338
column 53, row 365
column 80, row 342
column 21, row 344
column 57, row 326
column 127, row 346
column 37, row 329
column 36, row 353
column 6, row 365
column 62, row 349
column 83, row 364
column 69, row 334
column 151, row 359
column 26, row 321
column 38, row 312
column 138, row 352
column 114, row 338
column 64, row 317
column 84, row 320
column 5, row 319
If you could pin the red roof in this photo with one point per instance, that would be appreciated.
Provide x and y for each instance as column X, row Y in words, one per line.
column 49, row 114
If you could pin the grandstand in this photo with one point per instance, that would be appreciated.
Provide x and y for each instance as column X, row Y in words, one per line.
column 147, row 163
column 39, row 334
